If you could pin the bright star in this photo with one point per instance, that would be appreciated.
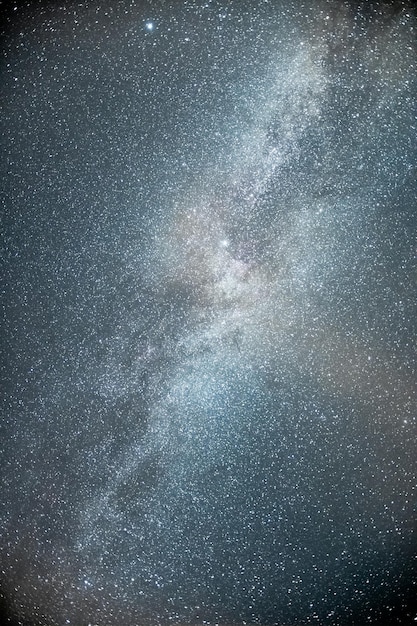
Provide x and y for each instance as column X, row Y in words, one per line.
column 149, row 26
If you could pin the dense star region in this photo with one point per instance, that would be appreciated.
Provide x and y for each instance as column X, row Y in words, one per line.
column 209, row 218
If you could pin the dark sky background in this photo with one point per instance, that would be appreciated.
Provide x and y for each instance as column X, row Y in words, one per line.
column 209, row 313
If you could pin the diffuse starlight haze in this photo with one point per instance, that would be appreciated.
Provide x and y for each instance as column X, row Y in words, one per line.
column 209, row 330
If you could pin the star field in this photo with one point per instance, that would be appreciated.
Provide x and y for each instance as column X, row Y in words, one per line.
column 209, row 313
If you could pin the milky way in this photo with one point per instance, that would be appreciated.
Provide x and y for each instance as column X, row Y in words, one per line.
column 210, row 313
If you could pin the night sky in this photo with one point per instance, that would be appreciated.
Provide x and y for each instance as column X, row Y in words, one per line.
column 209, row 313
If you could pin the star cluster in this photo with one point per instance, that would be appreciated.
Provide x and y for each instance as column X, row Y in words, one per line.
column 209, row 313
